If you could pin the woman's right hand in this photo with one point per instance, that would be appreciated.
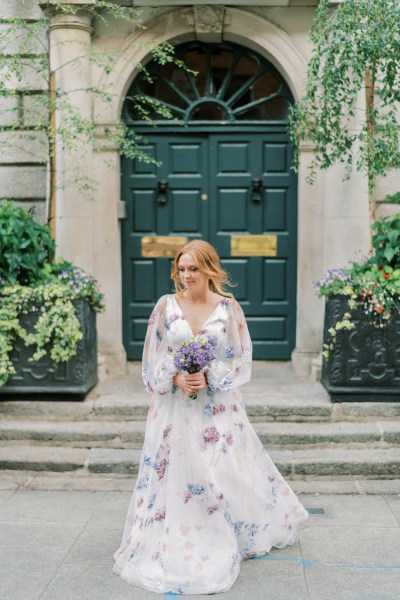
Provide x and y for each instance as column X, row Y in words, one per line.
column 190, row 384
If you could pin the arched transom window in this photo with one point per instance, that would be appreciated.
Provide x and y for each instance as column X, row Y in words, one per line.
column 231, row 84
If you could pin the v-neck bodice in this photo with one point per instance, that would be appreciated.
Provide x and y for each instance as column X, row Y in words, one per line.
column 203, row 325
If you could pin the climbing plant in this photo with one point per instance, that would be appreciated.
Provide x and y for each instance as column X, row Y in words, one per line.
column 26, row 76
column 350, row 111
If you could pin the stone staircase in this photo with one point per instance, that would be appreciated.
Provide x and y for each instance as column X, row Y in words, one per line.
column 307, row 437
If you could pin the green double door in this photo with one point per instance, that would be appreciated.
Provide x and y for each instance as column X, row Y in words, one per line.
column 215, row 187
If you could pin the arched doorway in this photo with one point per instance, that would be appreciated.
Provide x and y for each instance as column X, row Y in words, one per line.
column 224, row 176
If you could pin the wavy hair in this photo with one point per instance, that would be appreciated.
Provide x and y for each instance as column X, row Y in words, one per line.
column 208, row 261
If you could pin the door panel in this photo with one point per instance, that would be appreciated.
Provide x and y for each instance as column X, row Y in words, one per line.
column 178, row 212
column 268, row 296
column 222, row 168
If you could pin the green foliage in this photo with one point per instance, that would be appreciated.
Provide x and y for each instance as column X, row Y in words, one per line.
column 393, row 198
column 355, row 38
column 29, row 282
column 373, row 284
column 386, row 241
column 25, row 245
column 25, row 57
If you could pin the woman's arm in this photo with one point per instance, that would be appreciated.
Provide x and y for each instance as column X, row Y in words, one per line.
column 233, row 368
column 158, row 367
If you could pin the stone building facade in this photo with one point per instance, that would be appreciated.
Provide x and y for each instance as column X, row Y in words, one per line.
column 331, row 224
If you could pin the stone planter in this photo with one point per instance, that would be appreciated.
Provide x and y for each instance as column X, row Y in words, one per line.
column 364, row 365
column 73, row 378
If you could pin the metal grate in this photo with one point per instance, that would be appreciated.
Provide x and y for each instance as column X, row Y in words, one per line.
column 316, row 511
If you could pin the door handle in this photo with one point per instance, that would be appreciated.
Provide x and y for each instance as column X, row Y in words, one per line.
column 162, row 191
column 256, row 190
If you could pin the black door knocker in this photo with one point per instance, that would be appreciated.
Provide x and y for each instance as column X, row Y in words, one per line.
column 162, row 191
column 256, row 190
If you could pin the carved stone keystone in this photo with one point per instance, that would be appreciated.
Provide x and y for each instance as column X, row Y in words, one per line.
column 209, row 23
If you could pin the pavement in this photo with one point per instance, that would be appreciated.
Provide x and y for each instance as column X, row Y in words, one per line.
column 58, row 545
column 59, row 528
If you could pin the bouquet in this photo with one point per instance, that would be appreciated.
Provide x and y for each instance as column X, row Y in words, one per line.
column 194, row 355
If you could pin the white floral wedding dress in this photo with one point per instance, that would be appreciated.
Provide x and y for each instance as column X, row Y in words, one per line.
column 207, row 494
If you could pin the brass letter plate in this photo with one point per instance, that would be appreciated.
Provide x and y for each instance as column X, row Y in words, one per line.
column 154, row 246
column 254, row 245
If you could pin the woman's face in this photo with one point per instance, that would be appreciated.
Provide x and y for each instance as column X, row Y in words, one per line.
column 190, row 274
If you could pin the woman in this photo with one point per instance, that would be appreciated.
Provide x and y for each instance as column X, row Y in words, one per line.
column 207, row 494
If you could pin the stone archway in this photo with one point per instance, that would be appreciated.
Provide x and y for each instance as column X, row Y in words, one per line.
column 180, row 25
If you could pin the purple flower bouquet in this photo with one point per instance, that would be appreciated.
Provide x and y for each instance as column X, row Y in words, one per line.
column 194, row 355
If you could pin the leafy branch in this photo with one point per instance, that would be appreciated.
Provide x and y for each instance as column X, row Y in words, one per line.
column 25, row 70
column 350, row 111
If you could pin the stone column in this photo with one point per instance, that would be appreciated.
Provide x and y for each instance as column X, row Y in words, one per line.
column 107, row 254
column 87, row 230
column 70, row 40
column 309, row 266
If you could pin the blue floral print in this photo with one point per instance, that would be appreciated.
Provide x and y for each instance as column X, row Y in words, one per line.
column 229, row 352
column 206, row 488
column 195, row 489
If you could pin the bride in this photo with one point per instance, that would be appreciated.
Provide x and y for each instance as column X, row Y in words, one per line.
column 207, row 494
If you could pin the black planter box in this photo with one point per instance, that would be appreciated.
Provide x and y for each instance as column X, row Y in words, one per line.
column 364, row 365
column 74, row 377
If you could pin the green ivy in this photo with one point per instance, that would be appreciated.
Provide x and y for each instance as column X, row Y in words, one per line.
column 57, row 329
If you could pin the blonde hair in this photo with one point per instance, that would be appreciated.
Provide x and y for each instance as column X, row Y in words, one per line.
column 208, row 261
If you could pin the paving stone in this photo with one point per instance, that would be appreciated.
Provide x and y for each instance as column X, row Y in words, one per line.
column 93, row 582
column 348, row 545
column 275, row 579
column 333, row 583
column 42, row 458
column 24, row 544
column 27, row 583
column 96, row 545
column 32, row 507
column 352, row 511
column 112, row 509
column 394, row 504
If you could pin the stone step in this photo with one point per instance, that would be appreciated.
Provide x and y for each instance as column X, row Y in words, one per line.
column 293, row 464
column 120, row 434
column 260, row 406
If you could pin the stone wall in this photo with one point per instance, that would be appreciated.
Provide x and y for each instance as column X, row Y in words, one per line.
column 23, row 155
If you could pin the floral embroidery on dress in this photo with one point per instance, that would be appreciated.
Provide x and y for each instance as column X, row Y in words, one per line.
column 229, row 353
column 210, row 435
column 206, row 491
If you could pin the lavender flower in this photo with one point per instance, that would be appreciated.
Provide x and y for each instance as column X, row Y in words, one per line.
column 194, row 355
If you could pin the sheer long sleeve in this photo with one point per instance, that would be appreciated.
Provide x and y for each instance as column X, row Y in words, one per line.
column 232, row 366
column 158, row 367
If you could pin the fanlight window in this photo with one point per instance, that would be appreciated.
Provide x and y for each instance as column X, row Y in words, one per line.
column 232, row 84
